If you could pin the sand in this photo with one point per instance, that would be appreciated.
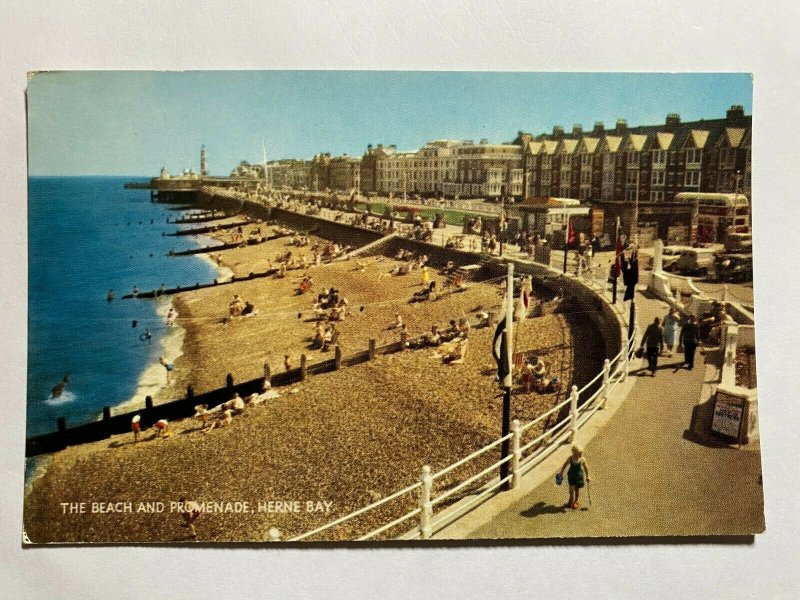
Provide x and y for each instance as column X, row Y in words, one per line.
column 346, row 438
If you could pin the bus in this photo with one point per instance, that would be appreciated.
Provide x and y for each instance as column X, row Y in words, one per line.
column 718, row 215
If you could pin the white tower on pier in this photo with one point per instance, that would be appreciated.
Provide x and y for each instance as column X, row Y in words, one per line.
column 203, row 161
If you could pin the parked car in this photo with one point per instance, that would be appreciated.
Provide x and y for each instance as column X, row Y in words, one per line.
column 734, row 267
column 671, row 255
column 695, row 261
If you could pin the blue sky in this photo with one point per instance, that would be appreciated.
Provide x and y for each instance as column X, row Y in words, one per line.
column 132, row 123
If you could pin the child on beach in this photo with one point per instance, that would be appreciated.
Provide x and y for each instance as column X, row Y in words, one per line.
column 577, row 476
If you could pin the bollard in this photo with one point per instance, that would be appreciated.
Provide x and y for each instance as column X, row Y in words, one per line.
column 274, row 534
column 516, row 454
column 303, row 367
column 106, row 413
column 61, row 424
column 267, row 372
column 403, row 340
column 337, row 358
column 148, row 402
column 426, row 508
column 372, row 349
column 229, row 382
column 573, row 414
column 606, row 383
column 189, row 392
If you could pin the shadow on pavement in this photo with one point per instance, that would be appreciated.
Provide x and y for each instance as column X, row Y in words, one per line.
column 540, row 508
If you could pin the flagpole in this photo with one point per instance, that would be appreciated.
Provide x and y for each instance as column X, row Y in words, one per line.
column 508, row 381
column 566, row 242
column 616, row 262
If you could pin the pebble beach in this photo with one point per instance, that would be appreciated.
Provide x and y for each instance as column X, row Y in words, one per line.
column 325, row 447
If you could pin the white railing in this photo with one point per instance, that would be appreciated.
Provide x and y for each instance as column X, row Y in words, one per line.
column 524, row 456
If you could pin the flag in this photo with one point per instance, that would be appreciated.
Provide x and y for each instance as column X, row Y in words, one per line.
column 571, row 239
column 500, row 352
column 524, row 299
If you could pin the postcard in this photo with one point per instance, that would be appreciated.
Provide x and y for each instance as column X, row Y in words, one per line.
column 335, row 306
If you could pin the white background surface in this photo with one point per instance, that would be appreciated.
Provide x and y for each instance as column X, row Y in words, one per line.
column 677, row 35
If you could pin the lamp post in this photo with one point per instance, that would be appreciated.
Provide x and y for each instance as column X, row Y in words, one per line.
column 634, row 234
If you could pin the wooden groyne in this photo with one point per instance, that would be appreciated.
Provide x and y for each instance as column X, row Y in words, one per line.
column 209, row 229
column 204, row 219
column 183, row 408
column 197, row 286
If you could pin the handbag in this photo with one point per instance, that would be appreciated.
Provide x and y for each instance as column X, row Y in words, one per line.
column 639, row 352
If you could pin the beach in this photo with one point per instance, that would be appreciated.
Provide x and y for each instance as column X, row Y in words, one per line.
column 346, row 438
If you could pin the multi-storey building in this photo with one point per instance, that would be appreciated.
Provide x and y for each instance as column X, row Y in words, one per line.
column 649, row 162
column 344, row 173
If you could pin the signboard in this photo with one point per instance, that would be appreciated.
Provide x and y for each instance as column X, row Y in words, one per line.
column 598, row 221
column 728, row 412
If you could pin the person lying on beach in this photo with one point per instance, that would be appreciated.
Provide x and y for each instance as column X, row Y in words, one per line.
column 434, row 338
column 455, row 352
column 424, row 294
column 249, row 310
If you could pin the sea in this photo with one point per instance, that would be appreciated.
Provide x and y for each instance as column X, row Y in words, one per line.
column 88, row 236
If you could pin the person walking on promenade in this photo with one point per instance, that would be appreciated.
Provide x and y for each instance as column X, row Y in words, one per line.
column 670, row 329
column 577, row 475
column 690, row 339
column 653, row 341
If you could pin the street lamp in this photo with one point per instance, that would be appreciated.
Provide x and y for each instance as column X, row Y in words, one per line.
column 634, row 236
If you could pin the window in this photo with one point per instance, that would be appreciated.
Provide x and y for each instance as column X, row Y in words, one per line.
column 692, row 179
column 633, row 159
column 694, row 156
column 586, row 159
column 658, row 178
column 659, row 157
column 657, row 196
column 630, row 178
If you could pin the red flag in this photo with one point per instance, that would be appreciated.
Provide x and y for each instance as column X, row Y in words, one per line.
column 571, row 239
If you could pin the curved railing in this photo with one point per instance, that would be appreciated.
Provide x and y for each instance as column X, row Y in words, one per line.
column 524, row 456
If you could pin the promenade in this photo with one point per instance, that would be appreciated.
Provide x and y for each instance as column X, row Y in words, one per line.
column 648, row 479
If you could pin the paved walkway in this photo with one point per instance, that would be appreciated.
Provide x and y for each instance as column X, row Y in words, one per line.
column 647, row 477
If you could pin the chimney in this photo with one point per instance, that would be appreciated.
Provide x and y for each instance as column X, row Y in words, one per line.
column 598, row 127
column 735, row 112
column 673, row 120
column 577, row 129
column 622, row 125
column 558, row 131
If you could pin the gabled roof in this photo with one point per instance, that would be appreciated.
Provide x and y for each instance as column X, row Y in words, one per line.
column 732, row 137
column 589, row 144
column 664, row 139
column 613, row 142
column 568, row 146
column 535, row 147
column 699, row 137
column 637, row 141
column 550, row 146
